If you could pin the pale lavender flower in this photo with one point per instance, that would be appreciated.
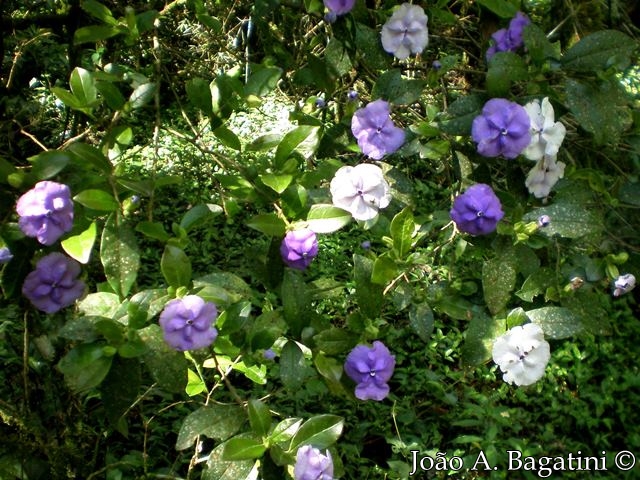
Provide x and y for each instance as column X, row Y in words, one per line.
column 501, row 129
column 371, row 368
column 544, row 176
column 187, row 323
column 546, row 133
column 406, row 31
column 624, row 284
column 544, row 221
column 54, row 284
column 522, row 354
column 477, row 211
column 509, row 39
column 312, row 464
column 352, row 95
column 339, row 7
column 299, row 248
column 46, row 212
column 360, row 190
column 376, row 133
column 5, row 255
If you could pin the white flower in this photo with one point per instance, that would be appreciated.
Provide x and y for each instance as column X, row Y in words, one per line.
column 544, row 176
column 360, row 190
column 406, row 32
column 546, row 134
column 624, row 284
column 522, row 354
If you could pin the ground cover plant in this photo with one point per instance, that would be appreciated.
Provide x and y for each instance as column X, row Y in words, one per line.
column 315, row 240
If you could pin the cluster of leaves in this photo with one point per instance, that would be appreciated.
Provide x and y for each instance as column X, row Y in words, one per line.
column 420, row 286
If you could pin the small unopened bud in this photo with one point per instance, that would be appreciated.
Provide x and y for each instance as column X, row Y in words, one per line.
column 544, row 221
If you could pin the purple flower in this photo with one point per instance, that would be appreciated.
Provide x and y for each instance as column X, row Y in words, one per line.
column 352, row 95
column 406, row 32
column 46, row 212
column 376, row 133
column 437, row 65
column 269, row 354
column 501, row 129
column 371, row 368
column 320, row 103
column 311, row 464
column 299, row 248
column 477, row 211
column 54, row 284
column 509, row 39
column 339, row 7
column 544, row 221
column 5, row 255
column 187, row 323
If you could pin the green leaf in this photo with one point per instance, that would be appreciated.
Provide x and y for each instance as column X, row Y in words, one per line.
column 262, row 81
column 219, row 422
column 227, row 138
column 277, row 183
column 176, row 267
column 255, row 373
column 268, row 223
column 536, row 284
column 210, row 22
column 95, row 33
column 421, row 320
column 285, row 430
column 101, row 304
column 293, row 140
column 85, row 366
column 460, row 115
column 142, row 95
column 556, row 322
column 600, row 108
column 97, row 200
column 119, row 390
column 79, row 246
column 66, row 97
column 167, row 366
column 392, row 87
column 337, row 58
column 219, row 469
column 195, row 384
column 402, row 230
column 259, row 417
column 369, row 49
column 516, row 317
column 321, row 431
column 83, row 87
column 599, row 51
column 539, row 48
column 296, row 301
column 98, row 11
column 384, row 269
column 91, row 155
column 335, row 341
column 198, row 215
column 242, row 447
column 325, row 218
column 479, row 338
column 119, row 254
column 111, row 94
column 331, row 369
column 504, row 69
column 368, row 294
column 498, row 281
column 293, row 369
column 265, row 142
column 502, row 8
column 153, row 230
column 48, row 164
column 199, row 94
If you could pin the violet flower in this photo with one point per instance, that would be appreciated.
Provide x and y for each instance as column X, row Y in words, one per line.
column 376, row 133
column 299, row 248
column 371, row 368
column 187, row 323
column 360, row 190
column 501, row 129
column 311, row 464
column 339, row 7
column 406, row 31
column 5, row 255
column 46, row 212
column 522, row 354
column 477, row 211
column 509, row 39
column 54, row 284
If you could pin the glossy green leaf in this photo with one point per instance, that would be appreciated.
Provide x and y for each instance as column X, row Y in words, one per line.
column 599, row 51
column 167, row 366
column 502, row 8
column 227, row 138
column 48, row 164
column 285, row 430
column 498, row 281
column 79, row 246
column 392, row 87
column 268, row 223
column 199, row 214
column 215, row 421
column 296, row 301
column 293, row 369
column 98, row 11
column 153, row 230
column 384, row 270
column 242, row 448
column 368, row 294
column 421, row 320
column 95, row 33
column 219, row 469
column 259, row 417
column 97, row 200
column 199, row 94
column 83, row 86
column 460, row 115
column 292, row 141
column 277, row 182
column 142, row 95
column 321, row 431
column 175, row 266
column 481, row 333
column 262, row 81
column 85, row 366
column 402, row 230
column 111, row 94
column 89, row 154
column 504, row 69
column 325, row 218
column 119, row 254
column 335, row 341
column 101, row 304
